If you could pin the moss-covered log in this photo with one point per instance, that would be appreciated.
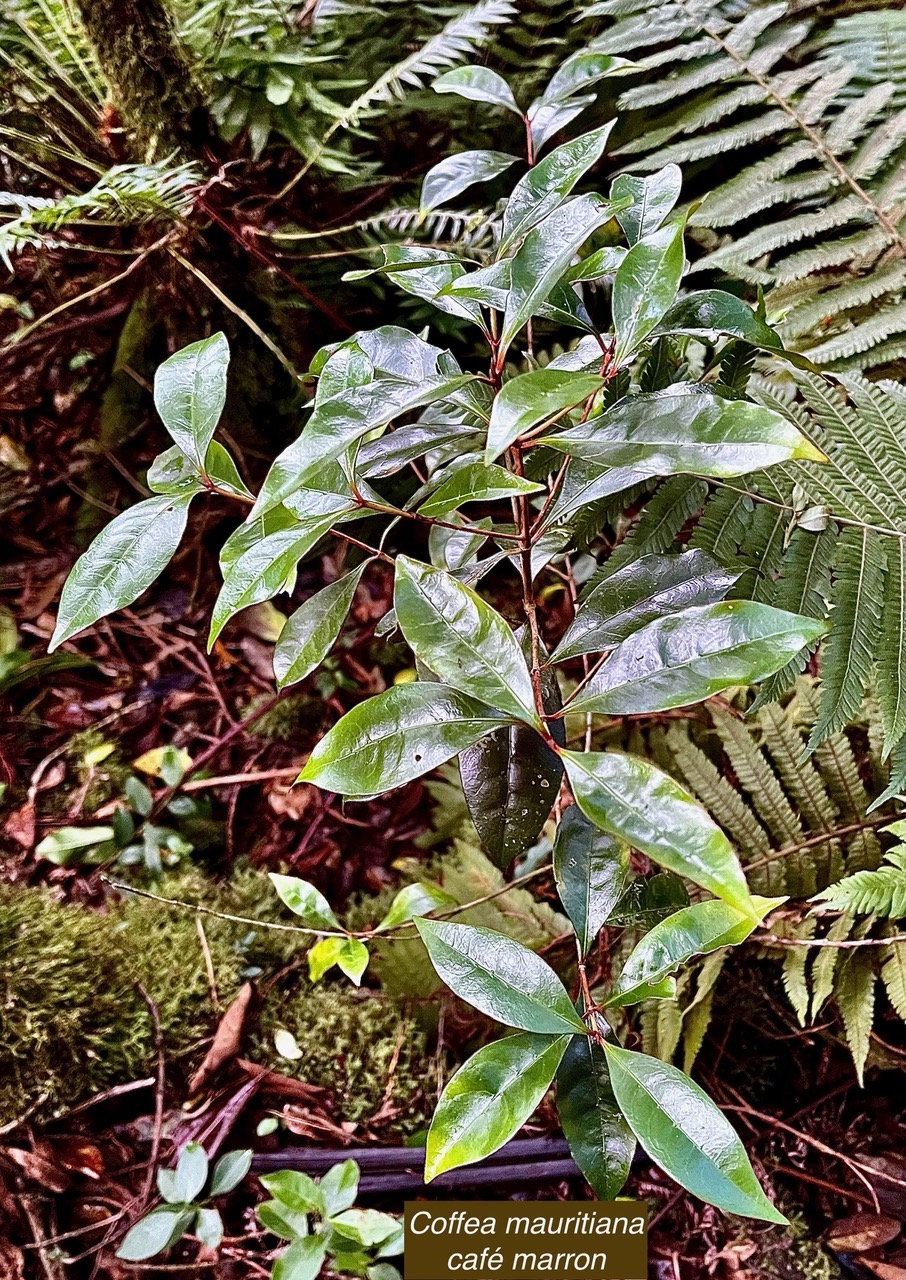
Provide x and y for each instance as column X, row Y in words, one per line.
column 154, row 84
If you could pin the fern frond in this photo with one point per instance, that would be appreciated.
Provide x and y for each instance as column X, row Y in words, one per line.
column 893, row 975
column 854, row 991
column 872, row 893
column 824, row 967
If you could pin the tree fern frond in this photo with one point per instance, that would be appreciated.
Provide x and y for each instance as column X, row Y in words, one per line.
column 893, row 975
column 872, row 893
column 794, row 975
column 854, row 991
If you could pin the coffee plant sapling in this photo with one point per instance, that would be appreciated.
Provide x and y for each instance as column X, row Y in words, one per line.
column 537, row 447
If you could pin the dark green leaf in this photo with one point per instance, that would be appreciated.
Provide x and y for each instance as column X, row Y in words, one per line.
column 579, row 72
column 311, row 631
column 380, row 458
column 489, row 1099
column 686, row 1134
column 475, row 482
column 462, row 639
column 424, row 273
column 548, row 183
column 601, row 263
column 601, row 1142
column 696, row 930
column 397, row 736
column 480, row 84
column 190, row 392
column 591, row 869
column 653, row 586
column 304, row 900
column 121, row 563
column 454, row 175
column 682, row 429
column 652, row 199
column 713, row 312
column 221, row 470
column 689, row 656
column 531, row 398
column 499, row 976
column 645, row 286
column 173, row 472
column 632, row 799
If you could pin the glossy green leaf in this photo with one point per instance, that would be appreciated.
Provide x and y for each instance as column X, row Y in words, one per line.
column 310, row 632
column 222, row 471
column 548, row 183
column 531, row 398
column 682, row 429
column 423, row 272
column 415, row 900
column 601, row 263
column 190, row 392
column 689, row 656
column 499, row 976
column 384, row 457
column 475, row 482
column 543, row 256
column 339, row 1187
column 288, row 1224
column 303, row 1259
column 653, row 586
column 229, row 1171
column 580, row 71
column 601, row 1142
column 458, row 172
column 686, row 1134
column 652, row 200
column 348, row 954
column 694, row 931
column 61, row 846
column 121, row 563
column 645, row 286
column 173, row 472
column 154, row 1233
column 489, row 1099
column 479, row 84
column 712, row 312
column 263, row 570
column 305, row 901
column 591, row 869
column 548, row 118
column 397, row 736
column 191, row 1172
column 632, row 799
column 462, row 639
column 294, row 1189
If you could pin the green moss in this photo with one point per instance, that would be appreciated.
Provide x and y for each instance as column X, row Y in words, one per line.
column 348, row 1042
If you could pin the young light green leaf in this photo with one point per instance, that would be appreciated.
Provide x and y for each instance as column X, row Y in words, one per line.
column 415, row 900
column 479, row 84
column 458, row 172
column 304, row 900
column 652, row 199
column 531, row 398
column 365, row 1227
column 687, row 657
column 339, row 1187
column 681, row 429
column 61, row 845
column 686, row 1134
column 591, row 869
column 190, row 392
column 475, row 482
column 543, row 256
column 229, row 1171
column 653, row 586
column 694, row 931
column 191, row 1172
column 208, row 1228
column 462, row 639
column 499, row 976
column 397, row 736
column 310, row 633
column 645, row 287
column 288, row 1224
column 489, row 1099
column 348, row 954
column 294, row 1189
column 263, row 570
column 303, row 1259
column 632, row 799
column 121, row 563
column 154, row 1233
column 601, row 1142
column 548, row 183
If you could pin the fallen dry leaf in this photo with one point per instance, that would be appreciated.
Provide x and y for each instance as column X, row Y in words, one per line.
column 883, row 1270
column 38, row 1168
column 227, row 1039
column 861, row 1232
